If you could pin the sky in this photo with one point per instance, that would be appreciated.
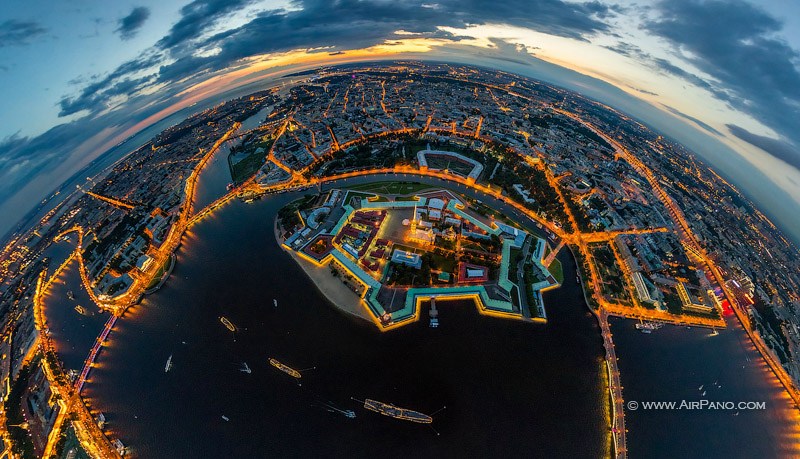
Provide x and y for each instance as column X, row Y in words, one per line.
column 721, row 77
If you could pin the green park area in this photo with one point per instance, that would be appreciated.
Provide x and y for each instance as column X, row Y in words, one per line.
column 245, row 161
column 394, row 188
column 557, row 271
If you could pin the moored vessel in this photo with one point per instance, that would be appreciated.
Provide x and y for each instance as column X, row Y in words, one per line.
column 228, row 324
column 286, row 369
column 390, row 410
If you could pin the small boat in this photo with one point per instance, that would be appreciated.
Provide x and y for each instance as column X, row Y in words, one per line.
column 286, row 369
column 703, row 394
column 81, row 310
column 648, row 327
column 701, row 387
column 245, row 368
column 225, row 418
column 121, row 448
column 228, row 324
column 71, row 295
column 275, row 302
column 387, row 409
column 168, row 366
column 714, row 332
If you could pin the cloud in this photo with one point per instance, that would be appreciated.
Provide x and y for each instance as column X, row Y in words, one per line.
column 130, row 24
column 334, row 26
column 95, row 94
column 18, row 33
column 196, row 17
column 702, row 124
column 782, row 150
column 738, row 46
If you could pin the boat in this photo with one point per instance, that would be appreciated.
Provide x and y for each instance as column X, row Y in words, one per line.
column 121, row 449
column 648, row 327
column 387, row 409
column 168, row 366
column 245, row 368
column 714, row 332
column 225, row 418
column 227, row 323
column 286, row 369
column 81, row 310
column 275, row 302
column 333, row 409
column 71, row 295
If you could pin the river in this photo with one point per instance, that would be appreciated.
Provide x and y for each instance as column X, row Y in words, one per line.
column 509, row 387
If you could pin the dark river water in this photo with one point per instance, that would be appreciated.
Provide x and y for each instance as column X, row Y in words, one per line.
column 679, row 363
column 508, row 387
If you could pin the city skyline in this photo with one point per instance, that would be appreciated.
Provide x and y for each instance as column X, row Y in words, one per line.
column 147, row 61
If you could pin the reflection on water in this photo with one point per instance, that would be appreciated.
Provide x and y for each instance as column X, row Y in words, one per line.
column 507, row 385
column 680, row 363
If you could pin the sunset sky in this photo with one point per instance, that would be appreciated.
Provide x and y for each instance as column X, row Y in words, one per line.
column 721, row 77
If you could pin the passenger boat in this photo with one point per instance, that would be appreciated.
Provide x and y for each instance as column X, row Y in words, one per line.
column 227, row 324
column 245, row 368
column 81, row 310
column 397, row 413
column 286, row 369
column 168, row 366
column 648, row 327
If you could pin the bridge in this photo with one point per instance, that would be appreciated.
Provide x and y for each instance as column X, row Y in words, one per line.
column 98, row 344
column 116, row 202
column 92, row 439
column 618, row 431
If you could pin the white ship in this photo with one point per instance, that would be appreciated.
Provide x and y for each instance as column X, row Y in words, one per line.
column 168, row 366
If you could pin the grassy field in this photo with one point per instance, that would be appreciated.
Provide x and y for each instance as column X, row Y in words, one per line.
column 392, row 187
column 443, row 263
column 441, row 162
column 249, row 165
column 159, row 274
column 556, row 270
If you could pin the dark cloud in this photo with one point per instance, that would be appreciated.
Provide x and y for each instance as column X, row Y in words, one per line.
column 100, row 89
column 16, row 33
column 781, row 150
column 737, row 45
column 196, row 16
column 643, row 91
column 693, row 119
column 130, row 24
column 331, row 26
